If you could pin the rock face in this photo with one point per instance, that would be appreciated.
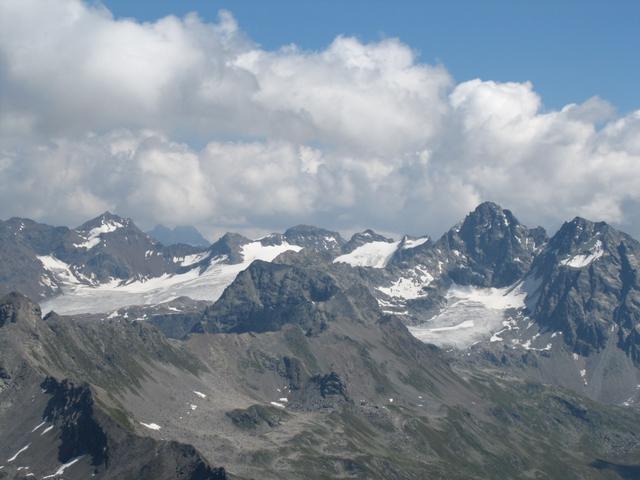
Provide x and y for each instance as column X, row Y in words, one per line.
column 15, row 307
column 21, row 241
column 266, row 296
column 494, row 248
column 314, row 238
column 229, row 246
column 589, row 286
column 70, row 408
column 84, row 432
column 77, row 435
column 184, row 234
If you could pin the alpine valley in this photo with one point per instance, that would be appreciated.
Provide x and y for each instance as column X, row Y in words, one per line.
column 494, row 352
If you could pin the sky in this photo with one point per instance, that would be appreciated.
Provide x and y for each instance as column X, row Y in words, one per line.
column 254, row 116
column 570, row 50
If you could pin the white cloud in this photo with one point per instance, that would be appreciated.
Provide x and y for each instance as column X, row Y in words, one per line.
column 180, row 120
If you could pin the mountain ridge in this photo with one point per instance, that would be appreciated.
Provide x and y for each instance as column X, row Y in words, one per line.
column 489, row 281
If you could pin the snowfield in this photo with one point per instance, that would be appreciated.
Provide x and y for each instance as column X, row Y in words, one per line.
column 207, row 285
column 408, row 243
column 584, row 260
column 377, row 254
column 372, row 254
column 472, row 314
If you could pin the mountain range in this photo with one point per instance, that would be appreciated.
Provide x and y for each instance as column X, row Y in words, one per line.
column 494, row 351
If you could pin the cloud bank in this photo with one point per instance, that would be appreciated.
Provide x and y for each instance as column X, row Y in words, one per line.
column 183, row 121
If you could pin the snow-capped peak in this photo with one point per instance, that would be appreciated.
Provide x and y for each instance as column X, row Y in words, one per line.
column 93, row 236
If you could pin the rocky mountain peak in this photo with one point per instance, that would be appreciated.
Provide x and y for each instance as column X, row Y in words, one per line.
column 15, row 307
column 589, row 287
column 579, row 243
column 314, row 238
column 230, row 245
column 580, row 233
column 185, row 234
column 491, row 247
column 19, row 223
column 488, row 219
column 105, row 219
column 371, row 236
column 266, row 296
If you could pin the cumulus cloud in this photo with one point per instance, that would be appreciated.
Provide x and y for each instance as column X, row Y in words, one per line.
column 184, row 121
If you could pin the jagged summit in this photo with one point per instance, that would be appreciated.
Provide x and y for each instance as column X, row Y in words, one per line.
column 578, row 243
column 104, row 219
column 577, row 232
column 371, row 236
column 315, row 238
column 488, row 217
column 496, row 248
column 589, row 287
column 184, row 234
column 229, row 245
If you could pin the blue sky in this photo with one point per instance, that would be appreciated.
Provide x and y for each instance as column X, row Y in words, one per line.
column 570, row 50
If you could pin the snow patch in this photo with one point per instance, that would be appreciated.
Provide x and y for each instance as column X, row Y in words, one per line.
column 92, row 238
column 508, row 325
column 200, row 394
column 583, row 375
column 62, row 468
column 60, row 270
column 408, row 244
column 465, row 324
column 189, row 260
column 583, row 260
column 9, row 460
column 278, row 404
column 151, row 426
column 372, row 254
column 38, row 426
column 410, row 286
column 48, row 429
